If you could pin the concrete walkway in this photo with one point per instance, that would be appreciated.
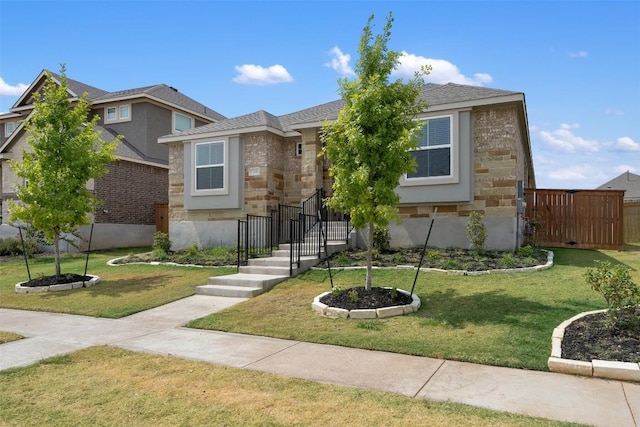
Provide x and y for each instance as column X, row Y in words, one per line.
column 540, row 394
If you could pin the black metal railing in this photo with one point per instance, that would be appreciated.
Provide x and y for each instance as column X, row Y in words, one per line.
column 305, row 228
column 255, row 237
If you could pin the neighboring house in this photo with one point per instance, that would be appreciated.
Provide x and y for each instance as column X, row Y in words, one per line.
column 630, row 182
column 474, row 155
column 138, row 179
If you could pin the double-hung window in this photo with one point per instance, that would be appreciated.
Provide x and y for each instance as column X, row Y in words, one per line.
column 210, row 166
column 433, row 154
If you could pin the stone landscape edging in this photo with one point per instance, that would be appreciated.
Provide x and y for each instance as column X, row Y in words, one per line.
column 626, row 371
column 55, row 288
column 377, row 313
column 112, row 263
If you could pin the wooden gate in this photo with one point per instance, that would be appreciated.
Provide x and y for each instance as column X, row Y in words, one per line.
column 576, row 218
column 162, row 217
column 632, row 222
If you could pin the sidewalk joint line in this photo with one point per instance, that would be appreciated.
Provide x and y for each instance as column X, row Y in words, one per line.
column 626, row 400
column 295, row 343
column 429, row 379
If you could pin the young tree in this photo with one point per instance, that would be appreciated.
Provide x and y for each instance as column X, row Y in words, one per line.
column 368, row 145
column 67, row 151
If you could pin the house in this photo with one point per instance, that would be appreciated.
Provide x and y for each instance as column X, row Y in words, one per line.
column 630, row 182
column 138, row 179
column 475, row 156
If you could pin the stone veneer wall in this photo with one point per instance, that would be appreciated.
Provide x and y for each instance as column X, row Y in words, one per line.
column 497, row 147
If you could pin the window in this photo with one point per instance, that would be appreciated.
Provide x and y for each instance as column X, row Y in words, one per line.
column 123, row 112
column 433, row 154
column 9, row 127
column 209, row 167
column 120, row 113
column 181, row 122
column 299, row 149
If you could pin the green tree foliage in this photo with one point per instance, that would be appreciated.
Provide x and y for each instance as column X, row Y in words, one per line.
column 66, row 151
column 368, row 145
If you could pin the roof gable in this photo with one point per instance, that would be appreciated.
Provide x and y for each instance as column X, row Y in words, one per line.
column 627, row 181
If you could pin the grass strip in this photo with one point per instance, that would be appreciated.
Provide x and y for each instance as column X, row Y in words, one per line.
column 105, row 386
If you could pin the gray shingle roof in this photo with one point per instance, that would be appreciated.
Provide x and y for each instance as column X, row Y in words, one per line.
column 165, row 93
column 626, row 181
column 79, row 88
column 433, row 94
column 125, row 148
column 160, row 91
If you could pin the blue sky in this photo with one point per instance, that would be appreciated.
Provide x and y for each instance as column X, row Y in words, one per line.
column 578, row 62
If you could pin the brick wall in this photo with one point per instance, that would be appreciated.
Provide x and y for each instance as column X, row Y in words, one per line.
column 129, row 192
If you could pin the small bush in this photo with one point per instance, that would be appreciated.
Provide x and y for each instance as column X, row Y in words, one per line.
column 193, row 250
column 508, row 260
column 342, row 259
column 476, row 231
column 619, row 291
column 336, row 291
column 353, row 296
column 382, row 239
column 161, row 242
column 525, row 251
column 13, row 246
column 433, row 254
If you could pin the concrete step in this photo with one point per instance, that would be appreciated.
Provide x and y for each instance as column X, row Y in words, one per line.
column 266, row 281
column 228, row 291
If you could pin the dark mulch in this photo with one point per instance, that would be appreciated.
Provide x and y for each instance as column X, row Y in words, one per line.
column 446, row 259
column 53, row 280
column 375, row 298
column 591, row 338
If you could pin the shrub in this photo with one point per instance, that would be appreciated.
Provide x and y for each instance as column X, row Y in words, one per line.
column 353, row 296
column 507, row 260
column 619, row 291
column 336, row 291
column 382, row 239
column 525, row 251
column 161, row 242
column 476, row 231
column 13, row 246
column 193, row 249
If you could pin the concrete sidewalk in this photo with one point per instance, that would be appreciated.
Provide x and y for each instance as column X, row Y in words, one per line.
column 541, row 394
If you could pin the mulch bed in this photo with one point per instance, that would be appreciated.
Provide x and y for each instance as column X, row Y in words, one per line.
column 53, row 280
column 375, row 298
column 591, row 338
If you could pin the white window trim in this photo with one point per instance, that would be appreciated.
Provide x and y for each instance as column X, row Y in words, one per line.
column 454, row 176
column 6, row 128
column 299, row 149
column 225, row 172
column 173, row 122
column 118, row 118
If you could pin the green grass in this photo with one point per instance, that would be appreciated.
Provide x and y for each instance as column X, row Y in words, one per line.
column 499, row 319
column 8, row 337
column 106, row 386
column 122, row 291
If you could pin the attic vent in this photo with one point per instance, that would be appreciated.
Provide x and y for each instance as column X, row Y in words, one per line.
column 173, row 88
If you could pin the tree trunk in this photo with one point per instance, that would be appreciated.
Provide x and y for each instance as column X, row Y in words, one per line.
column 56, row 248
column 369, row 257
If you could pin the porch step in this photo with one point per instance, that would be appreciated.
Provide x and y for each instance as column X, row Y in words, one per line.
column 240, row 285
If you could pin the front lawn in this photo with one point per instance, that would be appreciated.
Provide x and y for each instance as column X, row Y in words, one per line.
column 496, row 319
column 105, row 386
column 122, row 291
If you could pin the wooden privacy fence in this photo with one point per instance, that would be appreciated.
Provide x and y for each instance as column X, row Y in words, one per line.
column 632, row 222
column 590, row 219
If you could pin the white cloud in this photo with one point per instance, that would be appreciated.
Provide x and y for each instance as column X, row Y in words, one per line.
column 624, row 168
column 574, row 173
column 581, row 54
column 340, row 62
column 613, row 112
column 8, row 90
column 564, row 139
column 626, row 144
column 250, row 74
column 442, row 71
